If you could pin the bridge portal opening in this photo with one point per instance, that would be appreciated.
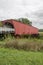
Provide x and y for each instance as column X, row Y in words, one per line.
column 10, row 28
column 8, row 25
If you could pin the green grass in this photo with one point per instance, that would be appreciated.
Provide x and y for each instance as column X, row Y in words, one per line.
column 30, row 44
column 20, row 57
column 12, row 56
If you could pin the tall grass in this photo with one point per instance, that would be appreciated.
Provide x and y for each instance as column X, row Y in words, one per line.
column 29, row 44
column 25, row 44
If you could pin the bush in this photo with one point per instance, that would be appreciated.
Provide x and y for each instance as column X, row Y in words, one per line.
column 25, row 45
column 11, row 44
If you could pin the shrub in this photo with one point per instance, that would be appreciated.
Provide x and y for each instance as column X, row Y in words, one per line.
column 25, row 45
column 11, row 44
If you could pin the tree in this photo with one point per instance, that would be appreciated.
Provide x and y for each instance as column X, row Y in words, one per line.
column 25, row 20
column 1, row 24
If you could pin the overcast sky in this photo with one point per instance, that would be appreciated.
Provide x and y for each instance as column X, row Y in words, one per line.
column 32, row 9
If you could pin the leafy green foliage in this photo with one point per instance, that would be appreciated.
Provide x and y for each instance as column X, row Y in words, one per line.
column 1, row 24
column 25, row 20
column 40, row 30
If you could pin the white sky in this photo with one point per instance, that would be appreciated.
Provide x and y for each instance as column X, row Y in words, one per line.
column 32, row 9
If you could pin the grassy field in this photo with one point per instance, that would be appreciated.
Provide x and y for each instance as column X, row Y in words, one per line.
column 21, row 51
column 30, row 44
column 20, row 57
